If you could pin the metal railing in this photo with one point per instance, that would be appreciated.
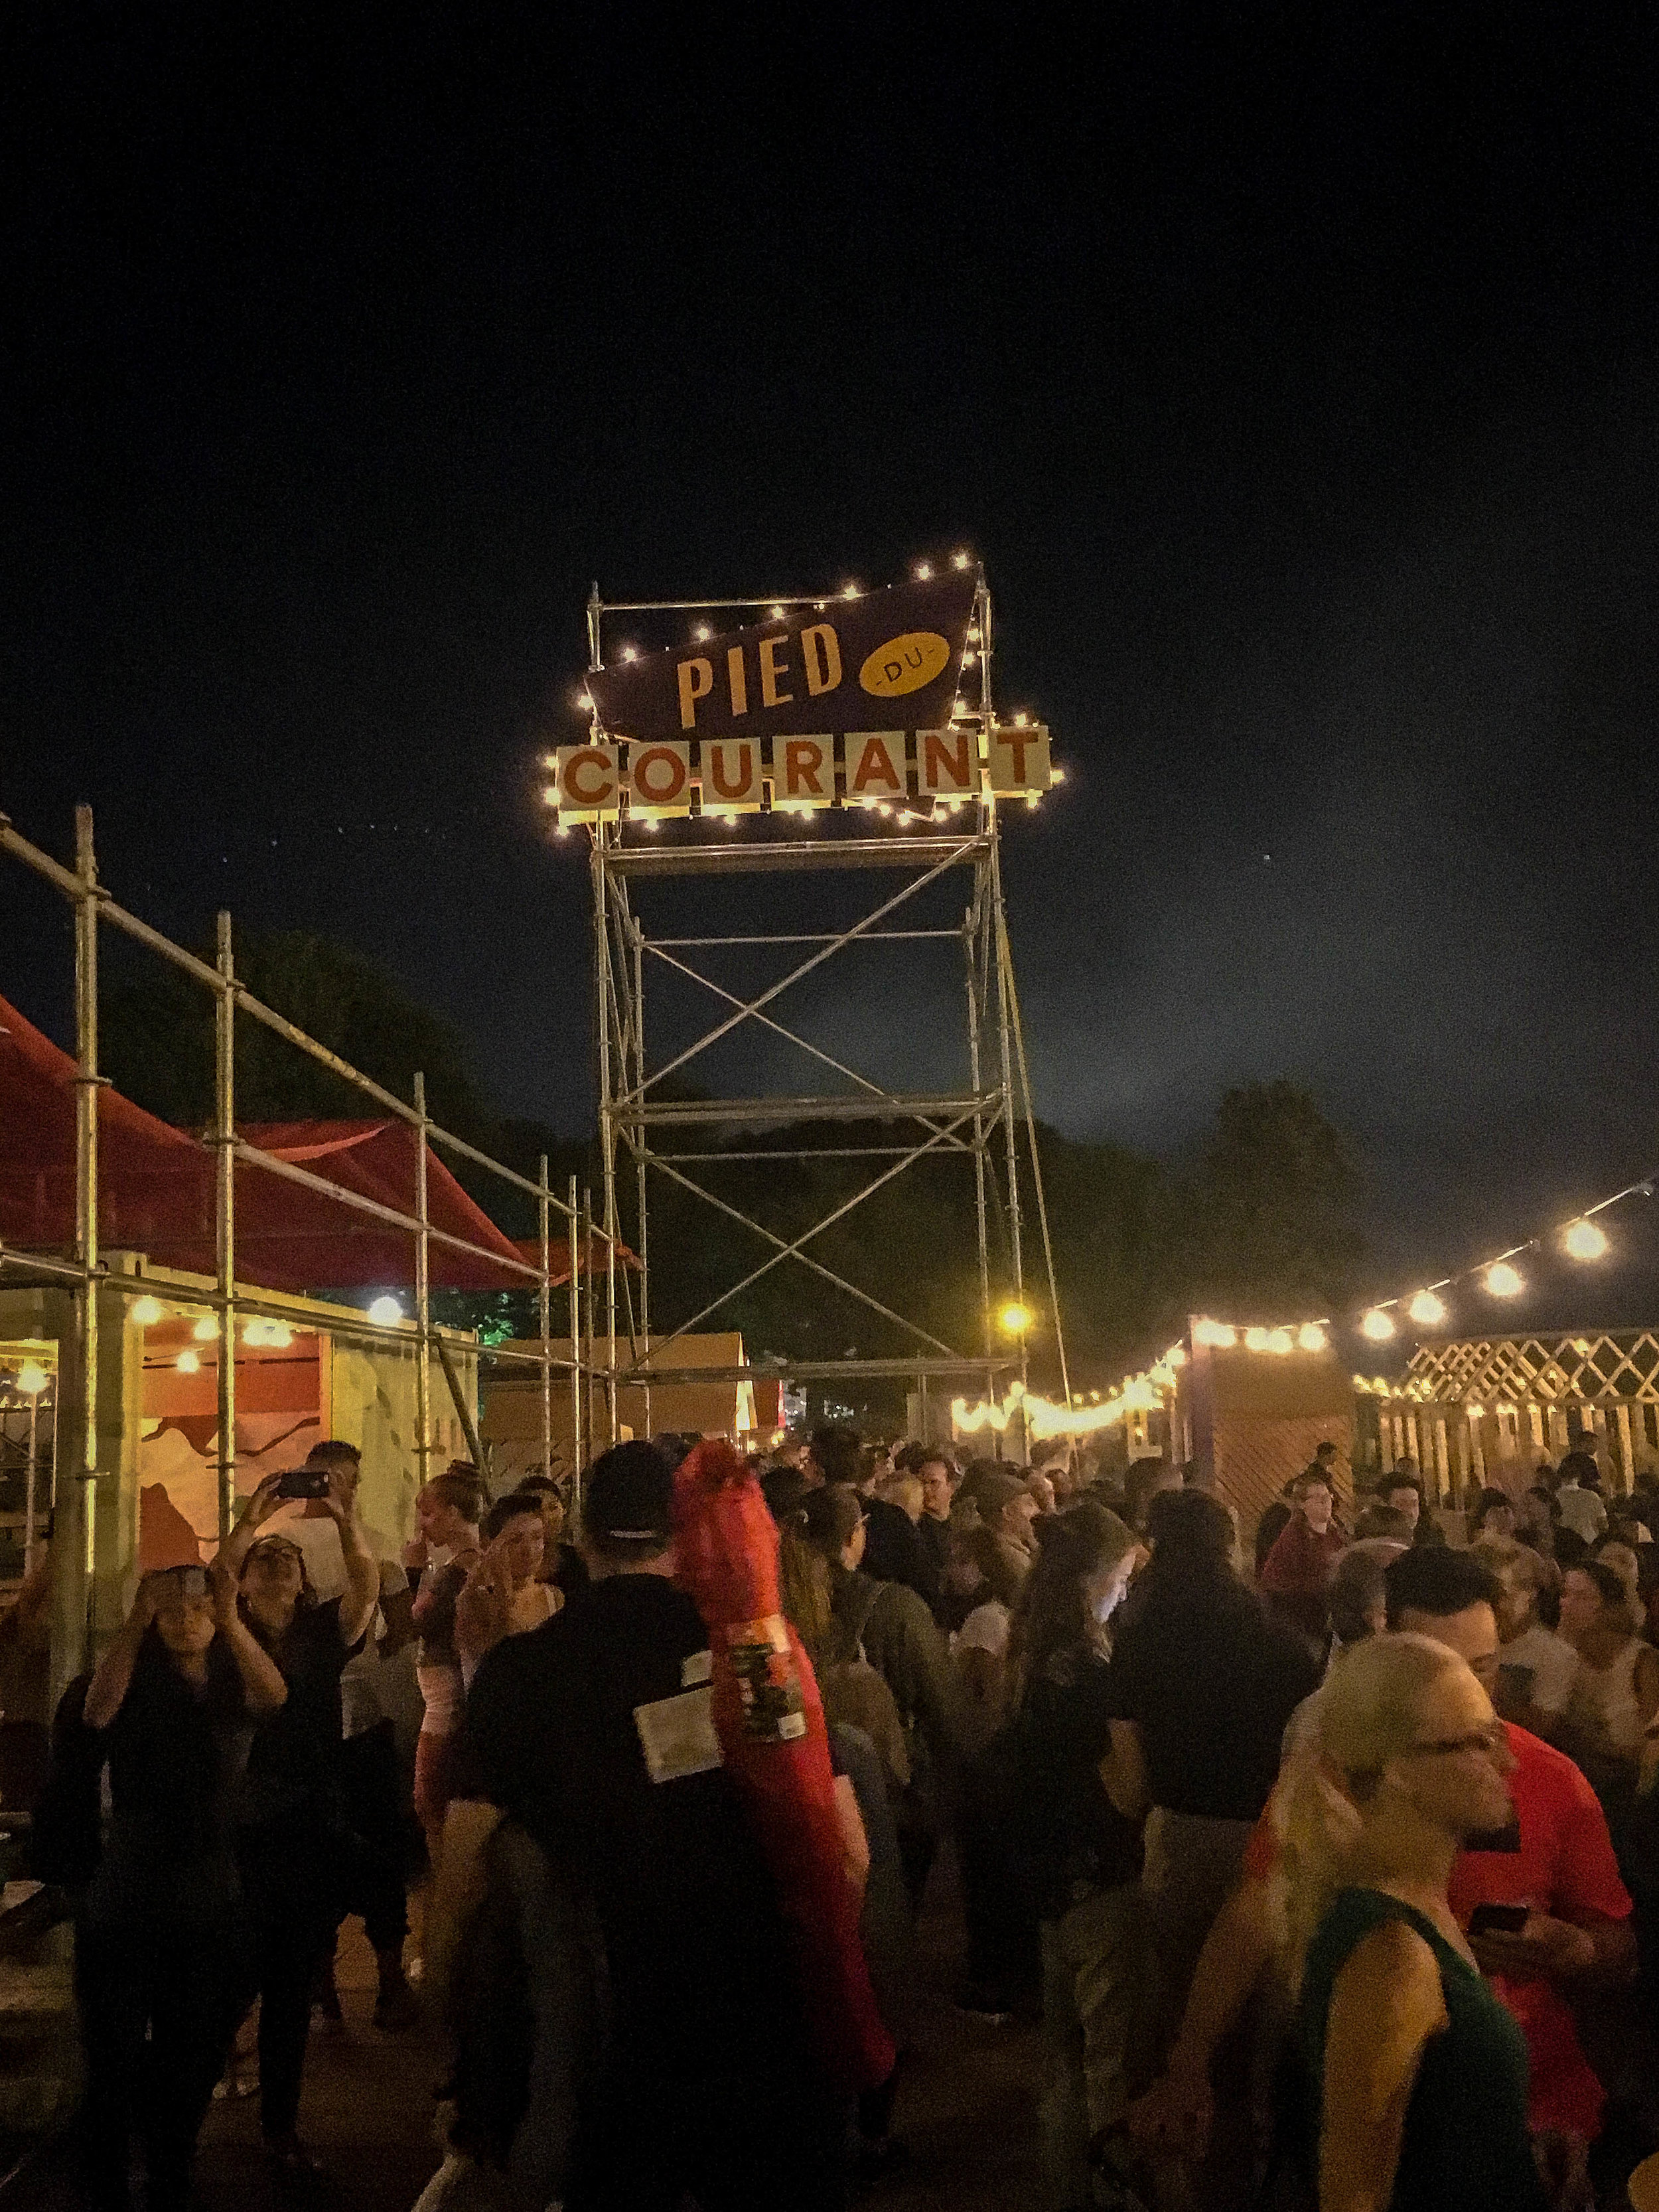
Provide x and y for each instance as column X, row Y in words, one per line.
column 85, row 1274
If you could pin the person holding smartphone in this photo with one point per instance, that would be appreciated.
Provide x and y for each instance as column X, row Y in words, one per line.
column 292, row 1843
column 168, row 1713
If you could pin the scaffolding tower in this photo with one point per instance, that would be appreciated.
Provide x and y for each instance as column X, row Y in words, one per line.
column 975, row 1119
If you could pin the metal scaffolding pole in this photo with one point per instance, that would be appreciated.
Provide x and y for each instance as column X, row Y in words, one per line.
column 224, row 1138
column 642, row 1244
column 77, row 1434
column 578, row 1445
column 544, row 1311
column 423, row 1296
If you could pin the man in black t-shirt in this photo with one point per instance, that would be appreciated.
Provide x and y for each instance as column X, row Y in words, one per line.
column 595, row 1735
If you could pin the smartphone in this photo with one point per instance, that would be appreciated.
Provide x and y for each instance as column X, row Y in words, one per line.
column 191, row 1581
column 303, row 1482
column 1499, row 1919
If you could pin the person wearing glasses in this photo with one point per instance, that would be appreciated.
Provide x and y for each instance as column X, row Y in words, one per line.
column 1416, row 2074
column 1561, row 1930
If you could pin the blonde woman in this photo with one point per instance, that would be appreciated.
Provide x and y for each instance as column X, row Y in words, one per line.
column 1416, row 2074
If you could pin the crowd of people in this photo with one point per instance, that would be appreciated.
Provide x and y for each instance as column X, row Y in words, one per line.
column 1332, row 1872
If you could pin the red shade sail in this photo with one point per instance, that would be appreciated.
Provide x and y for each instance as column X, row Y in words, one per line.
column 155, row 1189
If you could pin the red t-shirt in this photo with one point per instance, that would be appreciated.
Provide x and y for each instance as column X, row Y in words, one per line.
column 1564, row 1866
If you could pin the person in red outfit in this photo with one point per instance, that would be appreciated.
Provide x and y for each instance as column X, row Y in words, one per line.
column 1295, row 1576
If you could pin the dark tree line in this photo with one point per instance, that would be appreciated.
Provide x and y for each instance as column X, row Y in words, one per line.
column 1260, row 1222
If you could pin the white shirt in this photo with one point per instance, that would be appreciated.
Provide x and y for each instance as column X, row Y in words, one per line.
column 318, row 1539
column 1553, row 1662
column 1582, row 1511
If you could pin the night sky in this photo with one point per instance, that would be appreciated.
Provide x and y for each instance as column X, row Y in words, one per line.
column 1292, row 370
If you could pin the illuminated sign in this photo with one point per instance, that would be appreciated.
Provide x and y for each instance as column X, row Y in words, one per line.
column 607, row 777
column 836, row 667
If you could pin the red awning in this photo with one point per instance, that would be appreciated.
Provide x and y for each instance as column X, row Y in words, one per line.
column 156, row 1188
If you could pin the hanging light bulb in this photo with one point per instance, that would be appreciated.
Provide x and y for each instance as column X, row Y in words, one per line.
column 207, row 1329
column 1585, row 1240
column 1220, row 1335
column 188, row 1362
column 960, row 560
column 280, row 1336
column 1427, row 1310
column 1279, row 1341
column 386, row 1311
column 147, row 1312
column 1311, row 1337
column 1255, row 1339
column 1503, row 1280
column 256, row 1332
column 31, row 1378
column 702, row 632
column 924, row 572
column 1378, row 1324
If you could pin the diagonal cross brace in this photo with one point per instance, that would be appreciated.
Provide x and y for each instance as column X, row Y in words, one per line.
column 788, row 1251
column 774, row 990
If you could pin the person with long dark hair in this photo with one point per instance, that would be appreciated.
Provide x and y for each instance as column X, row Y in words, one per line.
column 1078, row 1851
column 159, row 1932
column 1204, row 1683
column 291, row 1838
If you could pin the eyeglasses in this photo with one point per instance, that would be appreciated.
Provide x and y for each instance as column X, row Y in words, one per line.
column 1492, row 1740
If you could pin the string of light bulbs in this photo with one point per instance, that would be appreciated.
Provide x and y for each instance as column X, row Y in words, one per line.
column 1581, row 1239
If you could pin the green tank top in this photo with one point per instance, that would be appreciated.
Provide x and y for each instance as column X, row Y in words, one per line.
column 1466, row 2146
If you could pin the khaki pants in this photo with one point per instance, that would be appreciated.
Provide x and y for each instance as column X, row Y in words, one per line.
column 1094, row 1960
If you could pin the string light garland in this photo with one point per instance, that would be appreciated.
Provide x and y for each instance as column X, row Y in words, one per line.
column 1581, row 1239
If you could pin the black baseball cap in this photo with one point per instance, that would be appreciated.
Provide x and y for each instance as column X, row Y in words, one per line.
column 629, row 1496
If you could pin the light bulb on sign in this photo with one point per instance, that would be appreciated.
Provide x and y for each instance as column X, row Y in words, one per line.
column 1378, row 1324
column 702, row 632
column 31, row 1378
column 777, row 614
column 849, row 591
column 385, row 1312
column 1503, row 1280
column 562, row 830
column 1175, row 1356
column 147, row 1312
column 631, row 653
column 1585, row 1240
column 1427, row 1310
column 1020, row 721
